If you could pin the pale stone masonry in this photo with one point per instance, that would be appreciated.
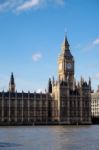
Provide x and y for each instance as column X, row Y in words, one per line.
column 65, row 101
column 95, row 104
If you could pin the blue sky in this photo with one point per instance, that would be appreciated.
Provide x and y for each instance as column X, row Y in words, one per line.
column 31, row 34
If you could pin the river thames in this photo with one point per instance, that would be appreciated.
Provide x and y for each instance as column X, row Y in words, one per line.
column 50, row 138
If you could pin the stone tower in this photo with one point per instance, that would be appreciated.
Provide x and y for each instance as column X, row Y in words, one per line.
column 71, row 100
column 66, row 64
column 61, row 88
column 12, row 84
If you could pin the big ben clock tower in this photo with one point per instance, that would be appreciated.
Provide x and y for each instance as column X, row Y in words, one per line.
column 66, row 64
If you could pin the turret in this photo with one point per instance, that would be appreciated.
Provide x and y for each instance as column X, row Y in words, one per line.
column 49, row 86
column 12, row 84
column 74, row 84
column 53, row 80
column 90, row 83
column 81, row 81
column 98, row 89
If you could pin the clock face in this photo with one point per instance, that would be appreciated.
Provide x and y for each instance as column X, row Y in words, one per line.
column 60, row 66
column 69, row 66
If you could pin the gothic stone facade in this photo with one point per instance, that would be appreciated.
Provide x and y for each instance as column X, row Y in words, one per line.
column 65, row 102
column 95, row 103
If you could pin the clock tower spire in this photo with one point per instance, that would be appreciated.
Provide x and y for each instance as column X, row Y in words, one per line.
column 65, row 45
column 66, row 63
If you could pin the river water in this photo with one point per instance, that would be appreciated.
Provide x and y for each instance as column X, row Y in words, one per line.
column 50, row 138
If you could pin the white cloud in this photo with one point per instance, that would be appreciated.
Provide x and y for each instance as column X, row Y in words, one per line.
column 36, row 56
column 23, row 5
column 9, row 5
column 96, row 42
column 40, row 90
column 28, row 4
column 92, row 45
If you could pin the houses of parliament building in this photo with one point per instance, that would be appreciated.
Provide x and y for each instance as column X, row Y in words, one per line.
column 65, row 101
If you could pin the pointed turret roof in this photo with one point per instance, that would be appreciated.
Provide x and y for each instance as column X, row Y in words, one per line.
column 12, row 78
column 49, row 86
column 98, row 89
column 65, row 45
